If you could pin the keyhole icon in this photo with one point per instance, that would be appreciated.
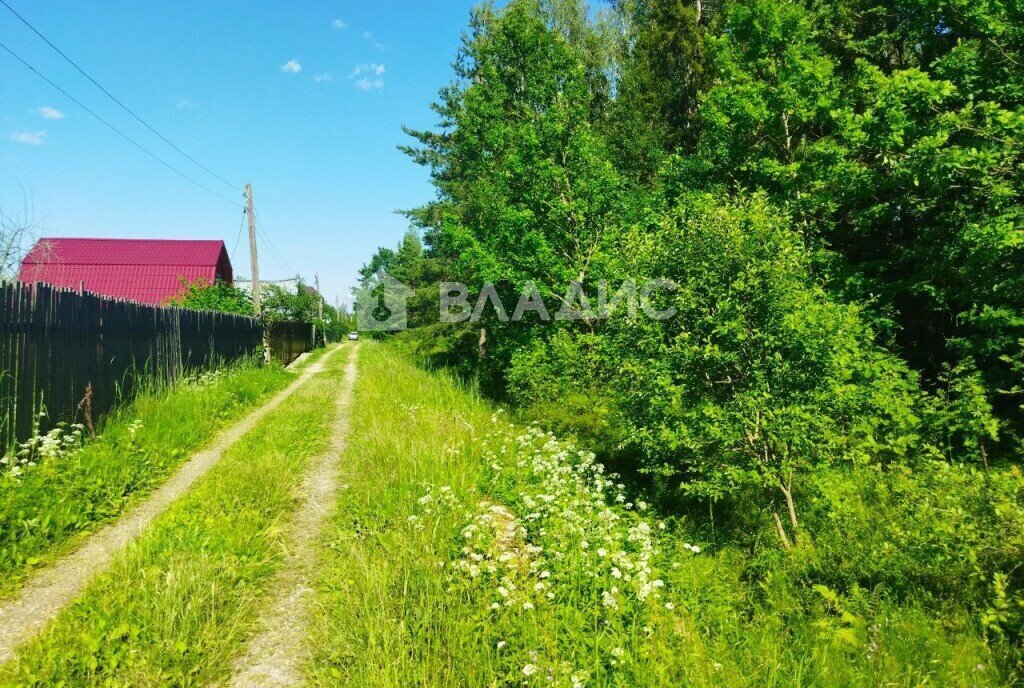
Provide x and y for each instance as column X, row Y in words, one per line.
column 381, row 313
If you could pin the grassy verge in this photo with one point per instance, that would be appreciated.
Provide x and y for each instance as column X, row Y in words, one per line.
column 43, row 510
column 382, row 615
column 177, row 605
column 471, row 552
column 314, row 356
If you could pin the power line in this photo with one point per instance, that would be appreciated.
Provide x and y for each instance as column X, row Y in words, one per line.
column 115, row 129
column 262, row 232
column 241, row 228
column 111, row 96
column 270, row 245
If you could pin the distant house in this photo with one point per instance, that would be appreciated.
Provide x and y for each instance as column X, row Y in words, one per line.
column 144, row 270
column 290, row 285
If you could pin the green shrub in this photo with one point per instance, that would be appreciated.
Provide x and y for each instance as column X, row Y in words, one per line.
column 555, row 382
column 759, row 377
column 201, row 295
column 938, row 531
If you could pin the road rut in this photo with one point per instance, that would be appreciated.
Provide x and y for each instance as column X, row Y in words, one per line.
column 53, row 588
column 273, row 657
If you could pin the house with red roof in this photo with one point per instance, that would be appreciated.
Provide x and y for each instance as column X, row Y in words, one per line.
column 143, row 270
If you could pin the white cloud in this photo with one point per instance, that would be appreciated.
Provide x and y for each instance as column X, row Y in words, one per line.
column 291, row 67
column 368, row 76
column 339, row 24
column 32, row 138
column 47, row 112
column 371, row 68
column 184, row 104
column 323, row 78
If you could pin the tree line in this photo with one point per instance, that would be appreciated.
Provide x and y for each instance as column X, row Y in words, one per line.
column 297, row 303
column 835, row 189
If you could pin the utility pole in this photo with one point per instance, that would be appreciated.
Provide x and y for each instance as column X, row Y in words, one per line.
column 316, row 278
column 254, row 260
column 319, row 307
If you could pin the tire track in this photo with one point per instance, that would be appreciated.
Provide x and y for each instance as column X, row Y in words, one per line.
column 53, row 588
column 273, row 656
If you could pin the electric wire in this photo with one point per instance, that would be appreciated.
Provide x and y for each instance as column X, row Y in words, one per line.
column 241, row 226
column 262, row 232
column 263, row 238
column 113, row 98
column 115, row 129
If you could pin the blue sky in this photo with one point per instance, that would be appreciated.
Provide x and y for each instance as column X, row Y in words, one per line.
column 304, row 100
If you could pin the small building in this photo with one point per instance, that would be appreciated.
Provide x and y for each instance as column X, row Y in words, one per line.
column 143, row 270
column 290, row 285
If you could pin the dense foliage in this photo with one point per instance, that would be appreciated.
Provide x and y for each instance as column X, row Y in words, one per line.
column 835, row 189
column 201, row 295
column 278, row 303
column 305, row 304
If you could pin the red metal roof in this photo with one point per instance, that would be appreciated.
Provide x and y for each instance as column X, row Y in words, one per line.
column 146, row 270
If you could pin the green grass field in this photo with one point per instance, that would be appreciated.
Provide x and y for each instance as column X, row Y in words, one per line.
column 46, row 508
column 177, row 605
column 471, row 552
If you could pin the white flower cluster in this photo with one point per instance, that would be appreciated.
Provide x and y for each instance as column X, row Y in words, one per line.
column 429, row 503
column 559, row 675
column 203, row 378
column 63, row 440
column 577, row 518
column 564, row 532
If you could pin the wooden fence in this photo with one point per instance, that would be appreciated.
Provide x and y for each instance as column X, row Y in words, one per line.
column 289, row 339
column 77, row 354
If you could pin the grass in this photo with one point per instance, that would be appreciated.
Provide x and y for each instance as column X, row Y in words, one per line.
column 382, row 611
column 177, row 605
column 471, row 551
column 468, row 551
column 43, row 511
column 314, row 356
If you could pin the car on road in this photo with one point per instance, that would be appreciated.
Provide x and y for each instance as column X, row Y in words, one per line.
column 353, row 336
